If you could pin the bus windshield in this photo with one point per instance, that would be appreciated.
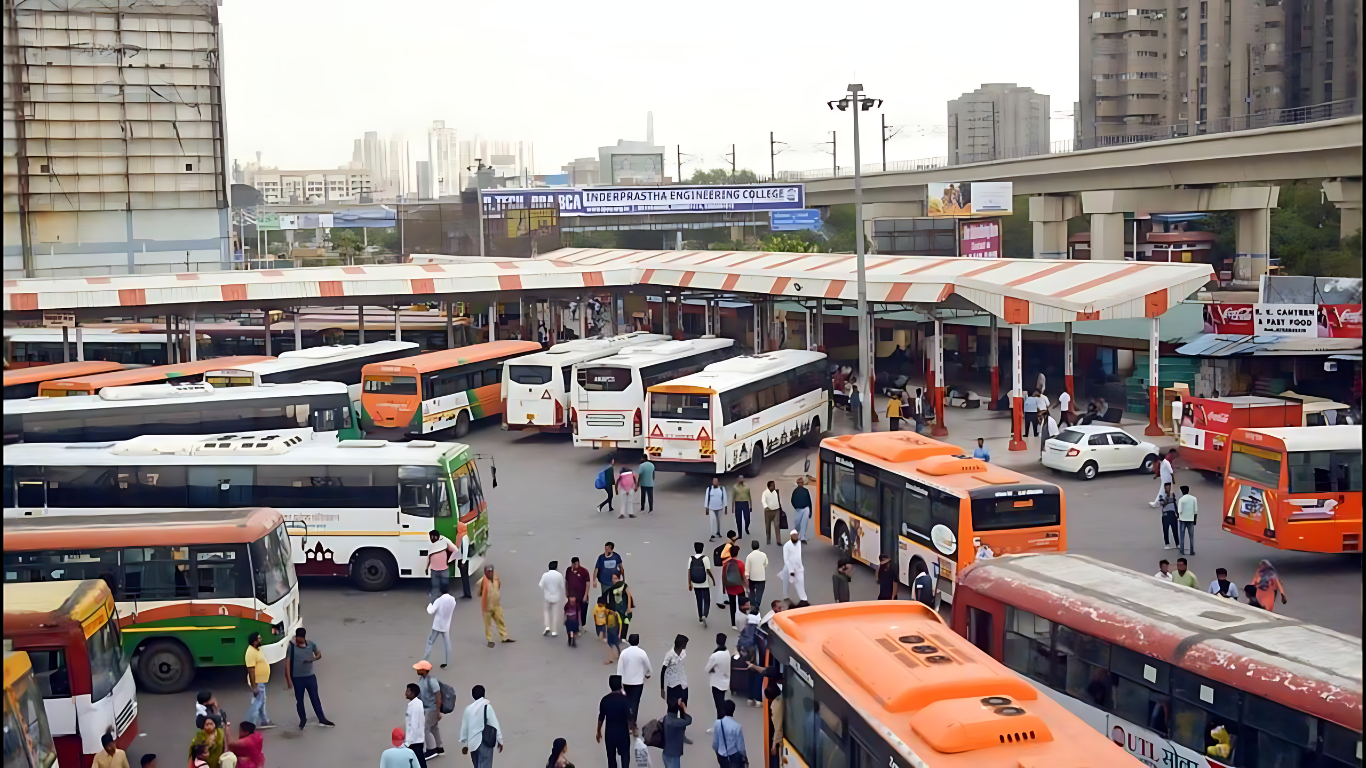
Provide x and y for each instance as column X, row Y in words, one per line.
column 1325, row 471
column 604, row 379
column 272, row 566
column 1255, row 465
column 26, row 728
column 531, row 374
column 672, row 405
column 392, row 385
column 1000, row 514
column 107, row 662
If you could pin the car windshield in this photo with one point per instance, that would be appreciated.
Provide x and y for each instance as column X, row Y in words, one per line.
column 273, row 566
column 1069, row 436
column 107, row 663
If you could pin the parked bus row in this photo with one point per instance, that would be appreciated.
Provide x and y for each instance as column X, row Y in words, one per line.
column 38, row 347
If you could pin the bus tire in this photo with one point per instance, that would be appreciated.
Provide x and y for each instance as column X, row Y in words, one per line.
column 756, row 461
column 164, row 666
column 1210, row 476
column 373, row 570
column 1147, row 466
column 812, row 438
column 843, row 541
column 462, row 424
column 1088, row 471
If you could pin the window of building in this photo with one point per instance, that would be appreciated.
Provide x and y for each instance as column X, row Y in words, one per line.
column 1204, row 13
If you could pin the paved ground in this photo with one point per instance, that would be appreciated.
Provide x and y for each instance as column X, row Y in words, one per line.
column 541, row 689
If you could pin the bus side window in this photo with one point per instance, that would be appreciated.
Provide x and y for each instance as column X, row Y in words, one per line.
column 476, row 379
column 220, row 572
column 979, row 628
column 915, row 515
column 152, row 487
column 826, row 487
column 1199, row 707
column 566, row 372
column 50, row 673
column 1276, row 735
column 1086, row 667
column 156, row 573
column 1141, row 688
column 1029, row 645
column 493, row 375
column 844, row 488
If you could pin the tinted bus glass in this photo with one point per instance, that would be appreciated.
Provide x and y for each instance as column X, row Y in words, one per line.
column 671, row 405
column 1255, row 465
column 397, row 385
column 530, row 374
column 1009, row 513
column 605, row 379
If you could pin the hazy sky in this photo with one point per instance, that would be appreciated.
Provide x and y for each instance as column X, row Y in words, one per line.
column 306, row 77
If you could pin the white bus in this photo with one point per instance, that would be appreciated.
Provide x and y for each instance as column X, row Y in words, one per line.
column 358, row 508
column 536, row 386
column 733, row 413
column 608, row 400
column 123, row 413
column 26, row 347
column 337, row 363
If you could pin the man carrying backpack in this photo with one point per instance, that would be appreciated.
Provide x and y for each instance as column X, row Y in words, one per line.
column 607, row 481
column 700, row 581
column 922, row 587
column 733, row 580
column 437, row 699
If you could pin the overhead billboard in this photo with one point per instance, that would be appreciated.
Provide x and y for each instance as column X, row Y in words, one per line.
column 980, row 239
column 610, row 201
column 968, row 199
column 1324, row 321
column 637, row 169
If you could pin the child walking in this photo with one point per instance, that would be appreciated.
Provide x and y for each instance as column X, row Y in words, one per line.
column 611, row 624
column 571, row 620
column 600, row 619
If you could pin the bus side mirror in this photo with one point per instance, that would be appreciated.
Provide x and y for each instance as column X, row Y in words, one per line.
column 806, row 466
column 493, row 470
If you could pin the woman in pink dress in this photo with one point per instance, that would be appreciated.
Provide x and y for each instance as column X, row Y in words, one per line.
column 249, row 747
column 626, row 484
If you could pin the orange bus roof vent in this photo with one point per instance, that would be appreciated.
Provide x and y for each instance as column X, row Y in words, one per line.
column 966, row 725
column 938, row 466
column 897, row 447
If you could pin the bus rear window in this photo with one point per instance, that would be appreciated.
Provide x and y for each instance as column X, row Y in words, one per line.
column 392, row 385
column 530, row 374
column 605, row 379
column 1016, row 512
column 1255, row 465
column 672, row 405
column 1325, row 472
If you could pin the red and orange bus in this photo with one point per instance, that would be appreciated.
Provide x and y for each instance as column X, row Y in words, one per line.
column 28, row 740
column 71, row 634
column 419, row 395
column 181, row 373
column 878, row 684
column 1177, row 676
column 1295, row 488
column 24, row 382
column 931, row 505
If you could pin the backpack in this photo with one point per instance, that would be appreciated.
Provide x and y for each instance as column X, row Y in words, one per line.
column 600, row 482
column 653, row 734
column 731, row 577
column 447, row 698
column 697, row 569
column 922, row 588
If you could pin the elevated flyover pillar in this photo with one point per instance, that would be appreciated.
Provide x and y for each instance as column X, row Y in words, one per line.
column 1107, row 236
column 1346, row 195
column 1049, row 214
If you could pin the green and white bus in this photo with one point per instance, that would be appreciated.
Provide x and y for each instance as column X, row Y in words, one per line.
column 354, row 508
column 190, row 587
column 123, row 413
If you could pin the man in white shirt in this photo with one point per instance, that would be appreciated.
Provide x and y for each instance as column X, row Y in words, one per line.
column 714, row 504
column 413, row 720
column 673, row 683
column 1221, row 585
column 634, row 667
column 1166, row 474
column 1065, row 408
column 1031, row 414
column 441, row 611
column 718, row 673
column 756, row 570
column 772, row 506
column 1163, row 571
column 552, row 590
column 794, row 574
column 477, row 715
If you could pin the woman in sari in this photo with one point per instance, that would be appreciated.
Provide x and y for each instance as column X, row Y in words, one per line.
column 1268, row 586
column 210, row 737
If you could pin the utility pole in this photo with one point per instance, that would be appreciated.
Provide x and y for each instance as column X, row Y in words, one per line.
column 679, row 149
column 834, row 154
column 732, row 163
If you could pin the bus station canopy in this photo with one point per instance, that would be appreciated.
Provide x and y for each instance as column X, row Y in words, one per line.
column 1019, row 291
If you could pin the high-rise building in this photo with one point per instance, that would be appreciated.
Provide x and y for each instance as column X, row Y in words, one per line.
column 126, row 171
column 444, row 156
column 425, row 187
column 1199, row 66
column 997, row 120
column 374, row 156
column 400, row 166
column 335, row 185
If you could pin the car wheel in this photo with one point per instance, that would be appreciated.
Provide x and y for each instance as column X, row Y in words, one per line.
column 1088, row 471
column 1147, row 466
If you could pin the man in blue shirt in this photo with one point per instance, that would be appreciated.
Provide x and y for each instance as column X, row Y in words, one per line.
column 609, row 563
column 645, row 474
column 727, row 740
column 981, row 452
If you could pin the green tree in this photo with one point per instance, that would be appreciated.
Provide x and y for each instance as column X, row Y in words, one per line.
column 723, row 176
column 791, row 242
column 347, row 241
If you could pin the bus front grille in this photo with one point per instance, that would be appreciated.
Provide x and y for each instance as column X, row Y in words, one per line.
column 600, row 419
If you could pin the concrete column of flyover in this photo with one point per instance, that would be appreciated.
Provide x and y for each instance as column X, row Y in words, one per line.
column 1107, row 208
column 1048, row 214
column 1346, row 195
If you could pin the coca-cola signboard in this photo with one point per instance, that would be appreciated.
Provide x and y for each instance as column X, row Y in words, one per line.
column 1234, row 319
column 1339, row 321
column 1326, row 321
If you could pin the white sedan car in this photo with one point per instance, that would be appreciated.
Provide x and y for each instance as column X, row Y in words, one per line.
column 1090, row 450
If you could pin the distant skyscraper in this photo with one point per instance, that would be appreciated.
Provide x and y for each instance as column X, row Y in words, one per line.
column 444, row 156
column 425, row 189
column 997, row 120
column 373, row 157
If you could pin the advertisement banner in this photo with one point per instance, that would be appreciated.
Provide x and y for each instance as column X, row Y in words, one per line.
column 268, row 221
column 980, row 239
column 1339, row 321
column 600, row 201
column 1285, row 319
column 1233, row 319
column 637, row 169
column 982, row 198
column 1205, row 424
column 788, row 221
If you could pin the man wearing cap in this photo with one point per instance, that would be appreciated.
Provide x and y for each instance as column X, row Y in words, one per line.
column 429, row 690
column 397, row 756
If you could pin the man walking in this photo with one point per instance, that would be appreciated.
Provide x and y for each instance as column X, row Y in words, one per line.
column 727, row 740
column 888, row 585
column 1166, row 474
column 609, row 563
column 1186, row 510
column 109, row 756
column 397, row 756
column 718, row 672
column 439, row 563
column 922, row 588
column 299, row 657
column 893, row 413
column 553, row 595
column 794, row 574
column 740, row 495
column 1031, row 414
column 478, row 717
column 772, row 508
column 673, row 676
column 1065, row 408
column 258, row 674
column 607, row 481
column 441, row 612
column 801, row 510
column 577, row 582
column 1171, row 534
column 1184, row 577
column 700, row 581
column 620, row 599
column 491, row 604
column 675, row 723
column 645, row 477
column 413, row 723
column 714, row 504
column 1221, row 585
column 633, row 666
column 756, row 567
column 429, row 691
column 844, row 574
column 614, row 710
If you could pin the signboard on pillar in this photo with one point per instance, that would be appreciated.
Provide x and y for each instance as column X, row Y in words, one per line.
column 980, row 239
column 59, row 320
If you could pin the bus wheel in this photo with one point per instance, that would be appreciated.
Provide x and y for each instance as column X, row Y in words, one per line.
column 373, row 570
column 843, row 541
column 812, row 438
column 462, row 424
column 164, row 666
column 756, row 461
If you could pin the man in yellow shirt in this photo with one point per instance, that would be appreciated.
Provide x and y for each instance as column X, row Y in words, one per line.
column 110, row 756
column 893, row 413
column 258, row 674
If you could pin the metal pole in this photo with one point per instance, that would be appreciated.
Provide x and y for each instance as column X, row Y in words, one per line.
column 995, row 362
column 298, row 331
column 940, row 429
column 493, row 319
column 1067, row 379
column 771, row 157
column 194, row 340
column 450, row 323
column 1154, row 395
column 1017, row 442
column 80, row 345
column 66, row 344
column 834, row 155
column 820, row 325
column 758, row 325
column 865, row 326
column 265, row 325
column 360, row 324
column 884, row 141
column 398, row 324
column 481, row 223
column 665, row 302
column 583, row 315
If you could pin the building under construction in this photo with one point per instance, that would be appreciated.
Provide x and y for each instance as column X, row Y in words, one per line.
column 113, row 138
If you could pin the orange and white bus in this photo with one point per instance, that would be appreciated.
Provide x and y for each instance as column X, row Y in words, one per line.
column 423, row 394
column 876, row 684
column 71, row 634
column 931, row 505
column 1295, row 488
column 22, row 383
column 180, row 373
column 1177, row 676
